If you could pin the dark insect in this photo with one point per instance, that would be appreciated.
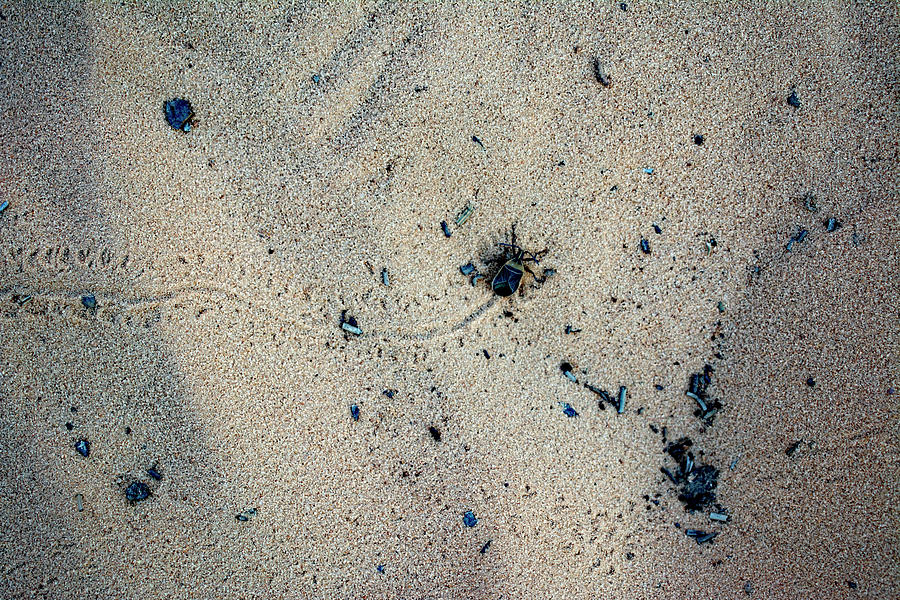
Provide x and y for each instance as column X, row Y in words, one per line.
column 508, row 278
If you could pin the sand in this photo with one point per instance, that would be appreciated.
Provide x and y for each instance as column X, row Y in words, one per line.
column 329, row 144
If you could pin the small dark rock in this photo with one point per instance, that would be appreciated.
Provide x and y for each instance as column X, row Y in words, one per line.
column 698, row 139
column 469, row 519
column 445, row 228
column 699, row 489
column 467, row 269
column 851, row 584
column 793, row 100
column 645, row 246
column 242, row 518
column 657, row 229
column 810, row 382
column 832, row 224
column 83, row 447
column 137, row 491
column 354, row 412
column 152, row 472
column 793, row 448
column 435, row 433
column 389, row 393
column 88, row 301
column 178, row 114
column 600, row 74
column 380, row 568
column 486, row 546
column 70, row 426
column 568, row 410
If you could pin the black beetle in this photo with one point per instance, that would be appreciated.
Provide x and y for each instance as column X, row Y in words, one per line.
column 507, row 279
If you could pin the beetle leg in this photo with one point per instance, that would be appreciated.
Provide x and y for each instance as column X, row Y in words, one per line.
column 537, row 279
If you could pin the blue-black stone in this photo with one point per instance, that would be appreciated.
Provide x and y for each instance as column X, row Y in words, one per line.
column 137, row 491
column 178, row 114
column 469, row 519
column 154, row 474
column 83, row 447
column 354, row 412
column 88, row 301
column 568, row 410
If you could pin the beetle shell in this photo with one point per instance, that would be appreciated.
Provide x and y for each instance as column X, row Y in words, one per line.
column 506, row 281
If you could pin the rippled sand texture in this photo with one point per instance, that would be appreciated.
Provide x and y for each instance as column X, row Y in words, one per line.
column 330, row 143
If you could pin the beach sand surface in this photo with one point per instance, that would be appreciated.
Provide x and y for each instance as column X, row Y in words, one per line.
column 329, row 143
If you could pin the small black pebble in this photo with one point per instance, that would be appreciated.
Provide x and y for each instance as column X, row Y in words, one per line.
column 698, row 139
column 137, row 491
column 851, row 584
column 445, row 229
column 242, row 518
column 485, row 547
column 486, row 355
column 154, row 474
column 178, row 114
column 435, row 433
column 629, row 555
column 793, row 100
column 380, row 568
column 810, row 382
column 354, row 412
column 565, row 367
column 89, row 301
column 793, row 448
column 70, row 426
column 83, row 447
column 657, row 229
column 659, row 388
column 645, row 246
column 128, row 431
column 623, row 6
column 389, row 393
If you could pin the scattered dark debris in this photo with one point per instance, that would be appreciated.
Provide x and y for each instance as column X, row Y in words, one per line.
column 246, row 515
column 83, row 447
column 137, row 491
column 464, row 215
column 89, row 301
column 467, row 269
column 469, row 519
column 654, row 428
column 70, row 426
column 629, row 556
column 659, row 388
column 445, row 229
column 793, row 448
column 486, row 355
column 657, row 229
column 698, row 139
column 389, row 393
column 384, row 277
column 698, row 482
column 697, row 388
column 793, row 100
column 435, row 434
column 600, row 74
column 487, row 545
column 809, row 201
column 832, row 224
column 605, row 398
column 700, row 536
column 645, row 246
column 179, row 114
column 851, row 584
column 621, row 406
column 477, row 140
column 566, row 368
column 568, row 410
column 570, row 329
column 810, row 382
column 354, row 412
column 349, row 324
column 152, row 472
